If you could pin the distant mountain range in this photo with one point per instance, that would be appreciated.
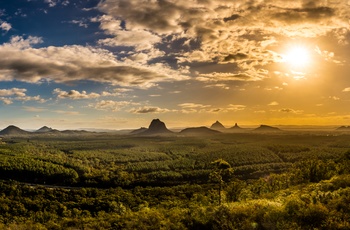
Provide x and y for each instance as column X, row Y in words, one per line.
column 15, row 131
column 156, row 127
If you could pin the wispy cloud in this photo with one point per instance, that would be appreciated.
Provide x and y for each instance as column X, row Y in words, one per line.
column 273, row 103
column 110, row 105
column 148, row 109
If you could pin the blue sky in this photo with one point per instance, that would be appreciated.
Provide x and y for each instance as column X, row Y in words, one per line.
column 120, row 63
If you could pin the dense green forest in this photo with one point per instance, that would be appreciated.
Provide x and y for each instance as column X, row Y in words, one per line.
column 225, row 181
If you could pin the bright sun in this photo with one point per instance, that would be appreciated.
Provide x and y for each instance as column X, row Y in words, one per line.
column 297, row 56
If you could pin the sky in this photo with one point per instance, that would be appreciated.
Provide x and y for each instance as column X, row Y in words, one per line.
column 118, row 64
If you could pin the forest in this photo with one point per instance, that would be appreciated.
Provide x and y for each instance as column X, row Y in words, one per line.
column 289, row 180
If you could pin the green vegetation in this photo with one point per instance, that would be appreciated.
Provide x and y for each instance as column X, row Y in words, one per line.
column 228, row 181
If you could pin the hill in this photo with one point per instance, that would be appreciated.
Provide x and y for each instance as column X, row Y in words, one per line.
column 199, row 131
column 235, row 127
column 343, row 128
column 217, row 126
column 45, row 129
column 266, row 128
column 138, row 131
column 13, row 131
column 157, row 127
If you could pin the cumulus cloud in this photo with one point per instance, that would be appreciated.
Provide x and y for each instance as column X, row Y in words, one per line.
column 8, row 96
column 13, row 92
column 6, row 101
column 219, row 31
column 20, row 61
column 74, row 94
column 5, row 26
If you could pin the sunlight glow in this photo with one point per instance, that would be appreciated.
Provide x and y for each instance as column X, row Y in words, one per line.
column 297, row 57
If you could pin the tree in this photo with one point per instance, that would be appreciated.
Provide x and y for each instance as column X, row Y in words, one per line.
column 222, row 171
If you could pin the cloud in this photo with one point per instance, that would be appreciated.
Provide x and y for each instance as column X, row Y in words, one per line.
column 226, row 77
column 67, row 64
column 7, row 96
column 327, row 55
column 6, row 101
column 236, row 108
column 335, row 98
column 75, row 95
column 274, row 103
column 287, row 110
column 220, row 31
column 5, row 26
column 74, row 113
column 346, row 89
column 80, row 23
column 34, row 109
column 13, row 92
column 140, row 39
column 111, row 105
column 193, row 106
column 53, row 3
column 147, row 109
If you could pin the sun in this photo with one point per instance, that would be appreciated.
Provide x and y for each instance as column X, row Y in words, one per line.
column 297, row 57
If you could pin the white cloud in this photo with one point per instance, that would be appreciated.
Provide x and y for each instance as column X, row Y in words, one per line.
column 6, row 101
column 5, row 26
column 13, row 92
column 7, row 96
column 53, row 3
column 80, row 23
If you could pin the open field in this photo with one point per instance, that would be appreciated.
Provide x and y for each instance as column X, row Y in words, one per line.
column 295, row 180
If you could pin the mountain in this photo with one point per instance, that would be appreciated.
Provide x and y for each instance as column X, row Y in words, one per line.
column 199, row 131
column 236, row 127
column 45, row 129
column 217, row 126
column 156, row 127
column 13, row 131
column 343, row 128
column 266, row 128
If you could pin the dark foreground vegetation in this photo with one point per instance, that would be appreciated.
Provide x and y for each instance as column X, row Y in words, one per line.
column 226, row 181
